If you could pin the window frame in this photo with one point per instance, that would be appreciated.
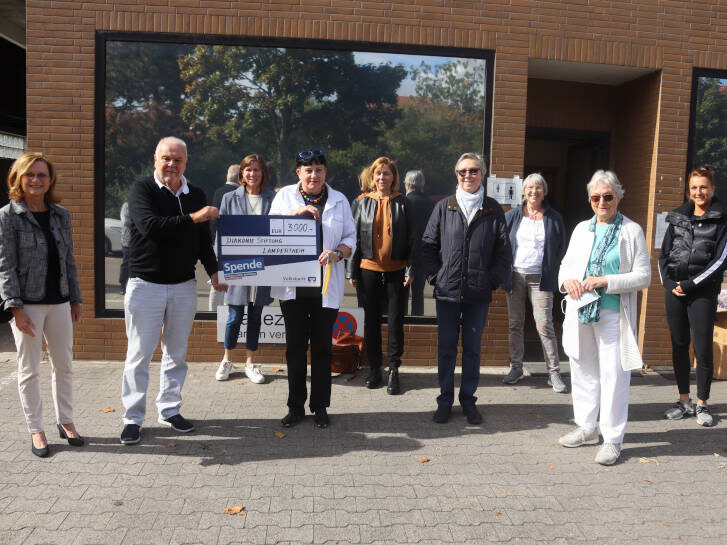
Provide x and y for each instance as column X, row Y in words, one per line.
column 102, row 37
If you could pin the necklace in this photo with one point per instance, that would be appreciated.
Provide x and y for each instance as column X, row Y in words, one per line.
column 532, row 215
column 313, row 199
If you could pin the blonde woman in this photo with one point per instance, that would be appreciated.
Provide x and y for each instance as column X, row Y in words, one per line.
column 382, row 265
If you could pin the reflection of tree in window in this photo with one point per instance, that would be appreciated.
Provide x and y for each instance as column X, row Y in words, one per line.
column 710, row 129
column 287, row 98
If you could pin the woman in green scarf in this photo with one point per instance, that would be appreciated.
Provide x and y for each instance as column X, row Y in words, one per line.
column 604, row 268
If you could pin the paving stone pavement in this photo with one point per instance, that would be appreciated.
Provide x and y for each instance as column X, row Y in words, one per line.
column 361, row 480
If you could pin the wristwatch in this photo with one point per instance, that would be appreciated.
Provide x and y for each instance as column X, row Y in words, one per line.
column 339, row 253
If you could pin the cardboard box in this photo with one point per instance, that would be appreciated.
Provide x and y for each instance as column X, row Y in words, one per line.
column 719, row 346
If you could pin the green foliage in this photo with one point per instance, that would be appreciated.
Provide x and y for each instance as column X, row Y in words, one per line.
column 711, row 125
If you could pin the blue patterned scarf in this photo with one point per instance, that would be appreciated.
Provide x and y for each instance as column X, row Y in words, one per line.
column 592, row 311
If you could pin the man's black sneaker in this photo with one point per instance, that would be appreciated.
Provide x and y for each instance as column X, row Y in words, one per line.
column 292, row 418
column 177, row 423
column 131, row 434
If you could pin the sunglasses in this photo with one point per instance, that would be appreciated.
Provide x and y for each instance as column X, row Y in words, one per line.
column 308, row 153
column 472, row 171
column 608, row 197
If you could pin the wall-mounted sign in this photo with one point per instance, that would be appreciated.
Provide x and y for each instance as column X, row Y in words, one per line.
column 505, row 190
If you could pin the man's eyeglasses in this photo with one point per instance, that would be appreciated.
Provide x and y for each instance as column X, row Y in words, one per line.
column 472, row 171
column 308, row 153
column 597, row 198
column 40, row 176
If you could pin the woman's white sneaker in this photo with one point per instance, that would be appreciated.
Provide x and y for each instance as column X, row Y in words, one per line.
column 254, row 374
column 608, row 454
column 579, row 437
column 223, row 371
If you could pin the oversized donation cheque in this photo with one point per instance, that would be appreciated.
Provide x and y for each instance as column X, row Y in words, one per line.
column 269, row 250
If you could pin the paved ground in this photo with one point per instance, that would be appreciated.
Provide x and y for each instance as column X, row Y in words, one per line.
column 361, row 480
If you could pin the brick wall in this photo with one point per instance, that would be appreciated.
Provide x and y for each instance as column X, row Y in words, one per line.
column 669, row 36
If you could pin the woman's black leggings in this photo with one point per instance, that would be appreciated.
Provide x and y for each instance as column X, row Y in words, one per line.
column 693, row 312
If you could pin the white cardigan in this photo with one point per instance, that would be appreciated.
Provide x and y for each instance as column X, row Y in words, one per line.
column 338, row 228
column 634, row 275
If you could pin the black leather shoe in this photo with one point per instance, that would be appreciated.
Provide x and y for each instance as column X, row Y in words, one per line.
column 374, row 378
column 131, row 434
column 39, row 452
column 392, row 387
column 73, row 441
column 292, row 418
column 472, row 414
column 441, row 415
column 321, row 418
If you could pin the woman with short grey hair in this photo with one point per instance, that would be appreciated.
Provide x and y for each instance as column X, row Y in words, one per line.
column 537, row 240
column 604, row 268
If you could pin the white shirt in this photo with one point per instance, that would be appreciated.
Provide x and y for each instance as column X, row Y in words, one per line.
column 338, row 228
column 530, row 238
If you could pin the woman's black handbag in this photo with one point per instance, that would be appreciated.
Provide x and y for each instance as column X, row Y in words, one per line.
column 5, row 315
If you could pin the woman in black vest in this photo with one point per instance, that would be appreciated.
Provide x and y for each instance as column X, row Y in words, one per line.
column 693, row 258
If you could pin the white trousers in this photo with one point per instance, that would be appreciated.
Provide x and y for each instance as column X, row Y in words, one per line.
column 150, row 310
column 598, row 382
column 54, row 323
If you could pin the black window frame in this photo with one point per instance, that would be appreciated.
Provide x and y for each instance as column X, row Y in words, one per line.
column 102, row 37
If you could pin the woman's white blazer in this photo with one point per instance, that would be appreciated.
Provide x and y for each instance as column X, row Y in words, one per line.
column 338, row 228
column 634, row 275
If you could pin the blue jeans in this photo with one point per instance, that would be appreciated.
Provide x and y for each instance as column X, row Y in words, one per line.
column 234, row 319
column 471, row 317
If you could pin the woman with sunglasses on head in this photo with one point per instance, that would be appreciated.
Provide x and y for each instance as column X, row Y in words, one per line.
column 537, row 239
column 253, row 198
column 39, row 285
column 606, row 260
column 382, row 264
column 466, row 256
column 309, row 312
column 691, row 264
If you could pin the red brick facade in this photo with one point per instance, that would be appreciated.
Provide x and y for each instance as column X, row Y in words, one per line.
column 648, row 118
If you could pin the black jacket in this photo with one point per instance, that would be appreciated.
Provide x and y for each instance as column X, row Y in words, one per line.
column 421, row 206
column 165, row 242
column 466, row 263
column 404, row 243
column 694, row 251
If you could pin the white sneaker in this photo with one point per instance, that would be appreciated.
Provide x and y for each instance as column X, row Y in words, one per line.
column 608, row 454
column 254, row 374
column 579, row 437
column 223, row 371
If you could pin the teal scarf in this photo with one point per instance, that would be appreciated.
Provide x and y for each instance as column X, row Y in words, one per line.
column 592, row 311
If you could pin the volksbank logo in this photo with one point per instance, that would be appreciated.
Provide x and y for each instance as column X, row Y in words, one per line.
column 243, row 267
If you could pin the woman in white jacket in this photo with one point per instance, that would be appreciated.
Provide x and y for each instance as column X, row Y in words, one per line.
column 606, row 257
column 308, row 312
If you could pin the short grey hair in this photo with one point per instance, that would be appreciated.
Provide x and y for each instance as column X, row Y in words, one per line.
column 171, row 140
column 414, row 179
column 609, row 178
column 233, row 174
column 475, row 157
column 537, row 179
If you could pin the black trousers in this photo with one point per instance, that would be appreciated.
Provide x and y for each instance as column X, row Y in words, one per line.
column 384, row 291
column 693, row 312
column 306, row 320
column 417, row 295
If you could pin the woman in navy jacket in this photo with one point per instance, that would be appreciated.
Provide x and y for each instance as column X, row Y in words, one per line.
column 537, row 239
column 466, row 256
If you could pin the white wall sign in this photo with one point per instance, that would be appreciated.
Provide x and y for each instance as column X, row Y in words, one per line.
column 272, row 329
column 505, row 190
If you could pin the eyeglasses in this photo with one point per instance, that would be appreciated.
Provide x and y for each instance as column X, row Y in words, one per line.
column 471, row 171
column 608, row 197
column 40, row 176
column 308, row 153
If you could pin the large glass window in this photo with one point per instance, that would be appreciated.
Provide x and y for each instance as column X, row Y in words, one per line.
column 421, row 107
column 708, row 131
